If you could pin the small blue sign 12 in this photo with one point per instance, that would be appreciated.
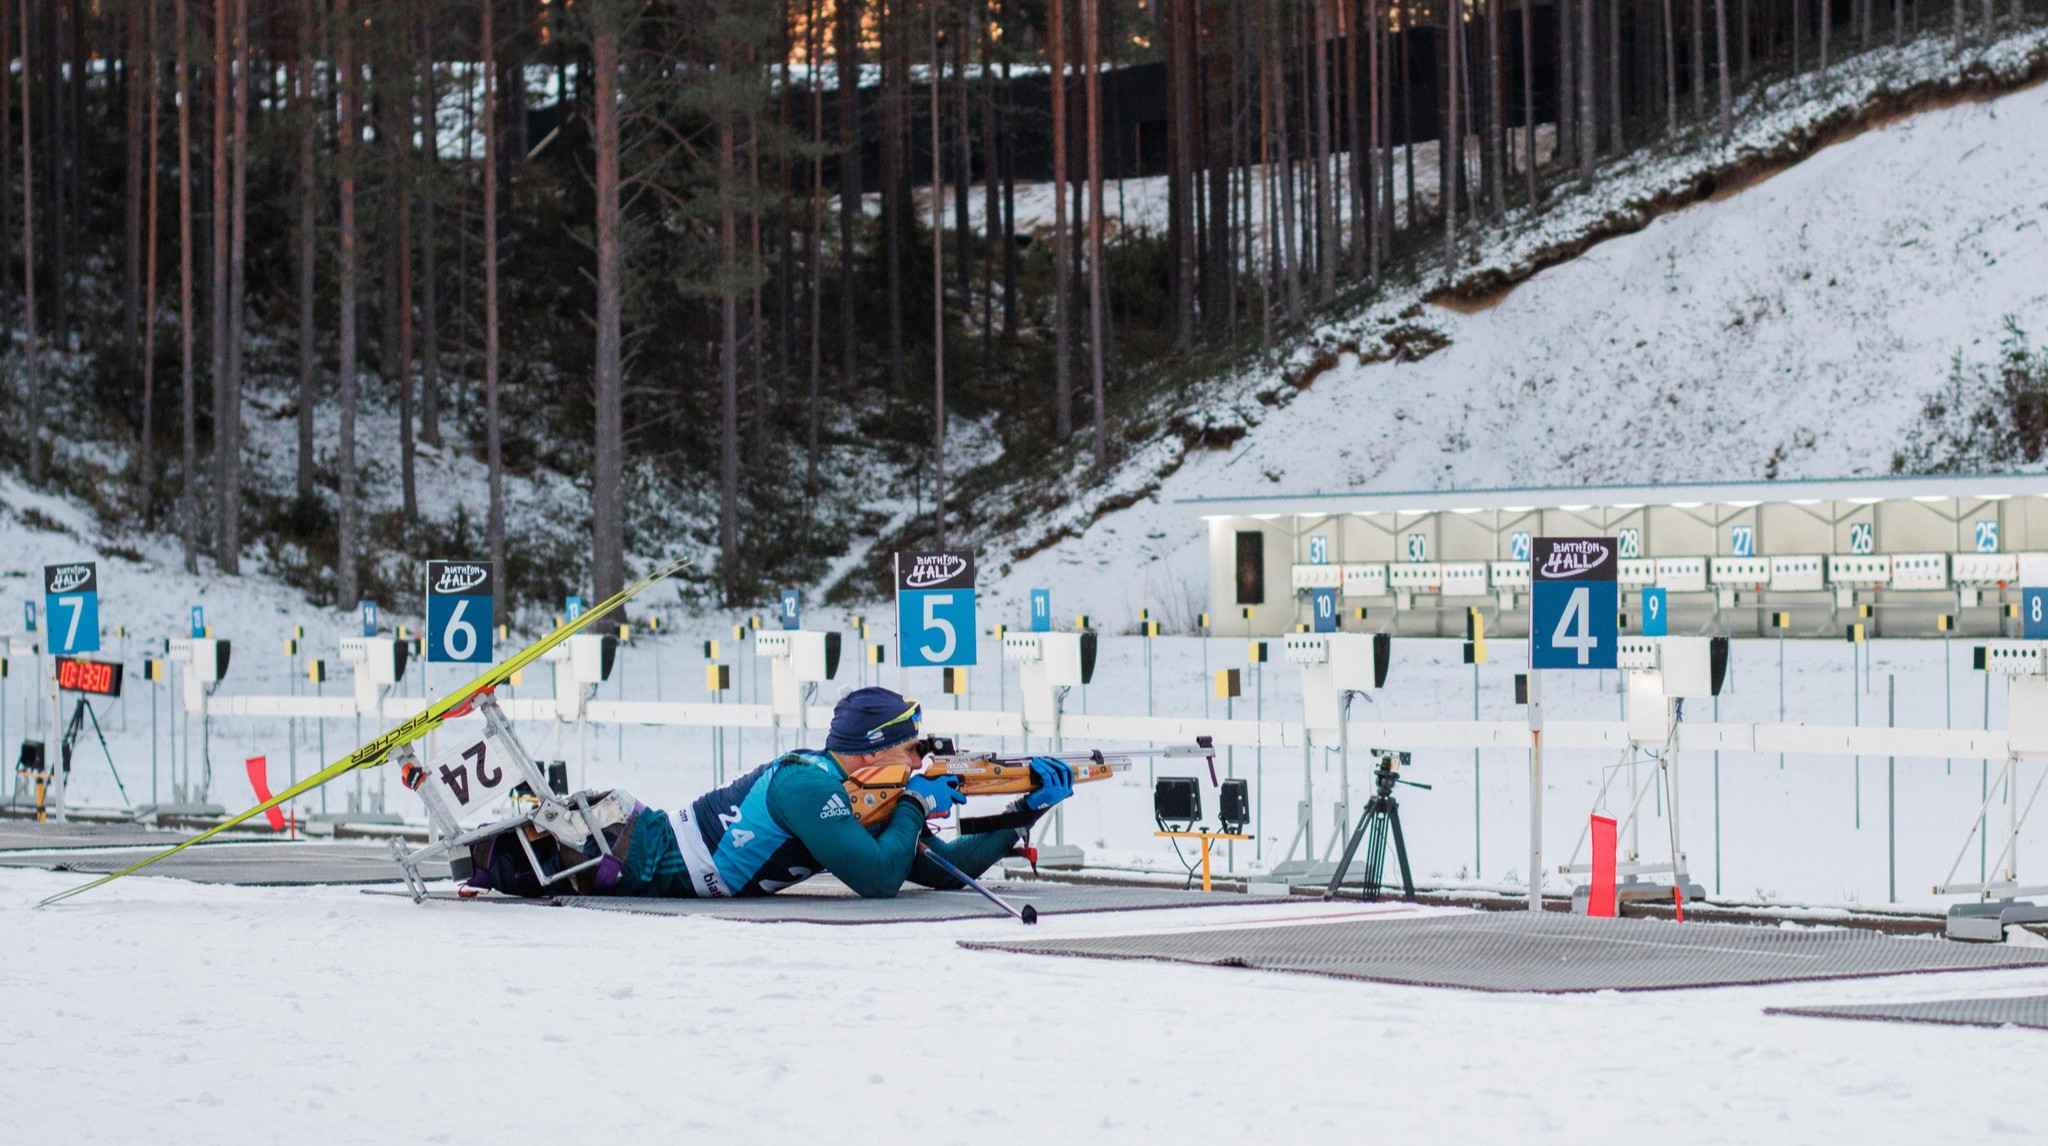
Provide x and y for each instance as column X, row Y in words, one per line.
column 792, row 609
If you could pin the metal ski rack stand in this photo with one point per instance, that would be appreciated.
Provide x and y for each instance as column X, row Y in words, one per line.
column 1661, row 673
column 475, row 774
column 2024, row 664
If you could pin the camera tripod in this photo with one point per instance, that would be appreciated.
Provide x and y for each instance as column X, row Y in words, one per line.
column 1382, row 816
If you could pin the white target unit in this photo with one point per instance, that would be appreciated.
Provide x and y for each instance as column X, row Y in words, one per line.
column 799, row 661
column 1048, row 664
column 582, row 662
column 2024, row 665
column 206, row 664
column 378, row 664
column 1333, row 664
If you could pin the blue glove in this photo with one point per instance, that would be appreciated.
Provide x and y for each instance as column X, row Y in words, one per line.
column 939, row 794
column 1055, row 782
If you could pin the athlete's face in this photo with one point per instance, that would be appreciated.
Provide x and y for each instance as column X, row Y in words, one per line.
column 904, row 754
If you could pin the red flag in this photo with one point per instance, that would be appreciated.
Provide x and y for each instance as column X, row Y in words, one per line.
column 259, row 769
column 1600, row 897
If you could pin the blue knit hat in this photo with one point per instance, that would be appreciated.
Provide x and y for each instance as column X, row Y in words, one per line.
column 870, row 720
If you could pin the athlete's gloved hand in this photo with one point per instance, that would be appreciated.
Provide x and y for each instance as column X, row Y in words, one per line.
column 1055, row 782
column 939, row 794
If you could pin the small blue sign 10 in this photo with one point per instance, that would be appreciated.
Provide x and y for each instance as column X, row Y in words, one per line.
column 1742, row 540
column 1323, row 603
column 1987, row 535
column 1041, row 610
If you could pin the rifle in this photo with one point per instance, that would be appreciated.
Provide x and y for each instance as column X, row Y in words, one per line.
column 874, row 790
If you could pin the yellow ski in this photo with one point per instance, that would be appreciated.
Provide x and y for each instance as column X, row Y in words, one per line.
column 379, row 750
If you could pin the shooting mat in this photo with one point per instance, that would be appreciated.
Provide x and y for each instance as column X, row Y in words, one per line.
column 2023, row 1011
column 1545, row 952
column 253, row 865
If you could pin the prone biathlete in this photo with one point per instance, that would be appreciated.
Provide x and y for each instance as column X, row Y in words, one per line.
column 784, row 822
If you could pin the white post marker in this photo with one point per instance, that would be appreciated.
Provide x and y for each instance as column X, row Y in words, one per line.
column 1574, row 625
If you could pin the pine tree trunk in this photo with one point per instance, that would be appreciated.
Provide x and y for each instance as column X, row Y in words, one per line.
column 131, row 264
column 309, row 190
column 1098, row 297
column 607, row 475
column 728, row 367
column 145, row 469
column 217, row 299
column 895, row 177
column 1529, row 104
column 347, row 587
column 850, row 160
column 228, row 433
column 1721, row 51
column 31, row 376
column 430, row 243
column 938, row 192
column 814, row 413
column 1062, row 301
column 494, row 436
column 188, row 500
column 1589, row 115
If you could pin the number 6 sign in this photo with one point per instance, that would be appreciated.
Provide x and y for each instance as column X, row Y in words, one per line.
column 935, row 609
column 459, row 612
column 1573, row 604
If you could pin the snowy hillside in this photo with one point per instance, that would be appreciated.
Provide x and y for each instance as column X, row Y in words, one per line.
column 1791, row 329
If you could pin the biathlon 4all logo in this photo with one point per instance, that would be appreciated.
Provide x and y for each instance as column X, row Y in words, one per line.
column 1571, row 558
column 456, row 579
column 929, row 569
column 68, row 578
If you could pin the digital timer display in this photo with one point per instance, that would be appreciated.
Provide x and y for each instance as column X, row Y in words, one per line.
column 101, row 678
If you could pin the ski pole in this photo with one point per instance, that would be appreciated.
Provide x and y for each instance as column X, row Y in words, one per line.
column 1027, row 914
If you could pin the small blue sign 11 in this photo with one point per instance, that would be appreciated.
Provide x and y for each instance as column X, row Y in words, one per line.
column 1041, row 610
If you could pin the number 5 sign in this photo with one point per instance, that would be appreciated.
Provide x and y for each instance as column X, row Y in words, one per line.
column 935, row 609
column 459, row 612
column 1573, row 603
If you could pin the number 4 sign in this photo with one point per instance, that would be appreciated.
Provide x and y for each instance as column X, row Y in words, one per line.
column 1573, row 603
column 935, row 609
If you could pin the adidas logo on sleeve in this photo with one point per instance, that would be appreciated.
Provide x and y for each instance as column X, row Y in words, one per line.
column 836, row 806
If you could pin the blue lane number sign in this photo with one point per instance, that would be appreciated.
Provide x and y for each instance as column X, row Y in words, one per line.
column 1631, row 543
column 792, row 609
column 1987, row 535
column 1041, row 610
column 1655, row 622
column 1324, row 602
column 198, row 621
column 460, row 618
column 369, row 611
column 1742, row 540
column 2034, row 614
column 1518, row 545
column 573, row 606
column 1573, row 602
column 935, row 609
column 1319, row 549
column 1862, row 538
column 1418, row 546
column 71, row 604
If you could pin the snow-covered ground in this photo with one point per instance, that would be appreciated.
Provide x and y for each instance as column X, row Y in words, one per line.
column 162, row 1011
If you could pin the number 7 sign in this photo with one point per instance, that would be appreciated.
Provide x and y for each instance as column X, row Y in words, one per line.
column 1573, row 604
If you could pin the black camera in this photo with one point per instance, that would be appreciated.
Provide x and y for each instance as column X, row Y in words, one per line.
column 1234, row 808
